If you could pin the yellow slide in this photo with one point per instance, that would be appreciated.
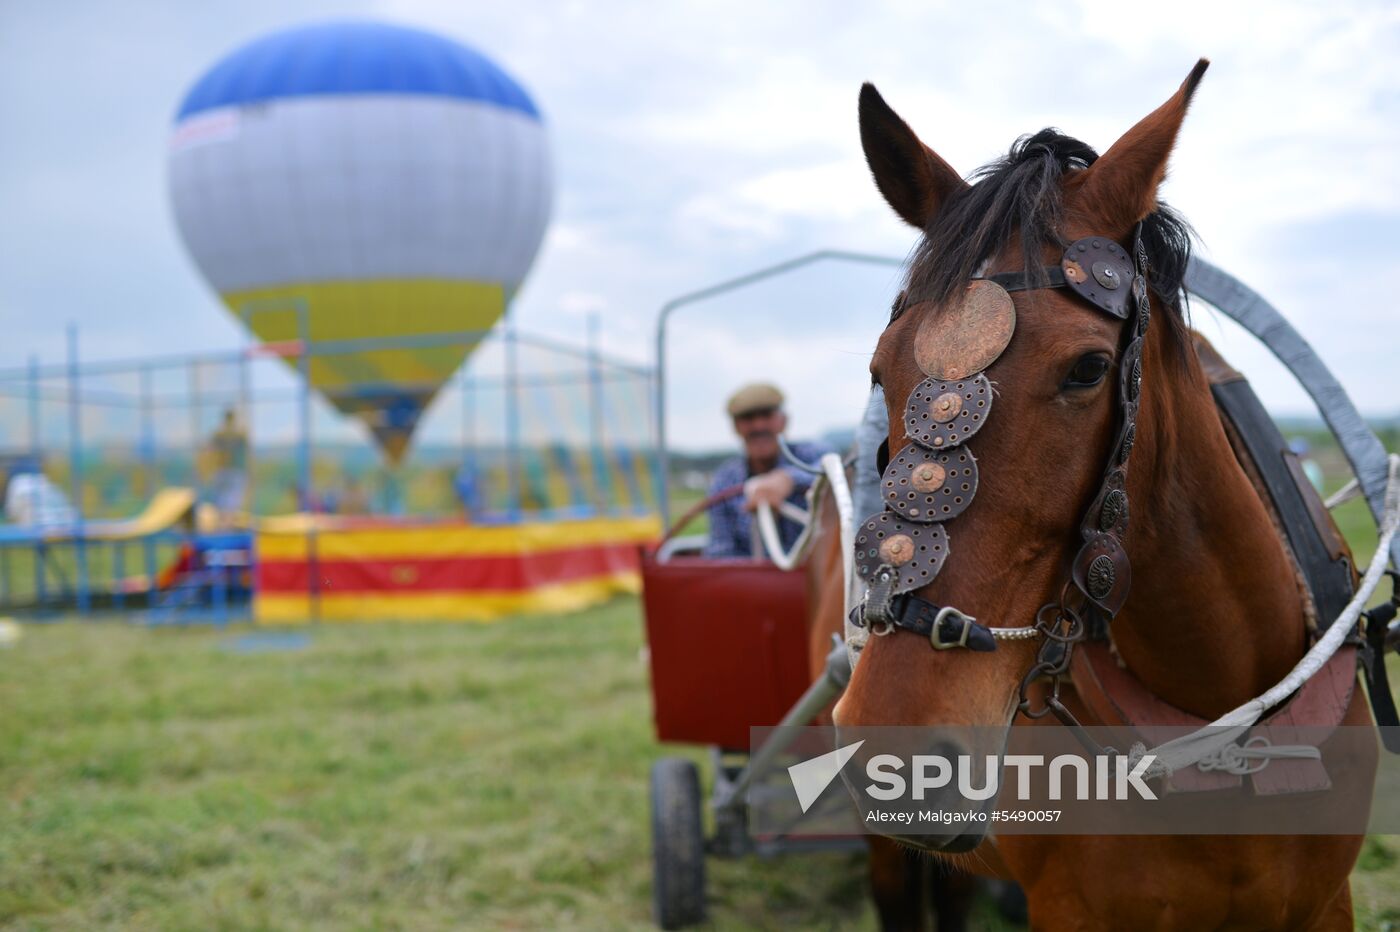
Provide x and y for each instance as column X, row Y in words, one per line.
column 167, row 508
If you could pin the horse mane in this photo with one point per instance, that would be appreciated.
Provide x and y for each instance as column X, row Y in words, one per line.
column 1020, row 195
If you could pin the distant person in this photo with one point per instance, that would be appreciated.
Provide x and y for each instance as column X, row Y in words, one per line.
column 307, row 501
column 355, row 501
column 228, row 454
column 330, row 503
column 32, row 500
column 757, row 413
column 464, row 484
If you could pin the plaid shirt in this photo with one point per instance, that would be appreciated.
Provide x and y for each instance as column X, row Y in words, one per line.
column 731, row 527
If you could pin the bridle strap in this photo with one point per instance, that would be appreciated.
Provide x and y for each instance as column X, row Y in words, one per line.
column 943, row 625
column 1100, row 574
column 1095, row 268
column 1021, row 281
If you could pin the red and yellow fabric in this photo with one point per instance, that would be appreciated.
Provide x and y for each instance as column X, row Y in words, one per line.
column 366, row 571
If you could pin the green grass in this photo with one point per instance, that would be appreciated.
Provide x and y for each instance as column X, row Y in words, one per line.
column 386, row 777
column 414, row 777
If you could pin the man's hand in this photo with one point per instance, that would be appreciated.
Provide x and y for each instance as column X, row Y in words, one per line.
column 771, row 488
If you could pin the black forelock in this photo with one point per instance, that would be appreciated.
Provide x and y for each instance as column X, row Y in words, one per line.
column 1019, row 196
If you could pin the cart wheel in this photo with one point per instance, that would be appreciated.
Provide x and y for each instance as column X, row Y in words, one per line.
column 677, row 844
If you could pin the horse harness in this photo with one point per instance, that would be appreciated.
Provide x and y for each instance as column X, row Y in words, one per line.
column 934, row 478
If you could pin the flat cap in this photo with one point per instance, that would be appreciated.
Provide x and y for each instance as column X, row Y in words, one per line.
column 756, row 396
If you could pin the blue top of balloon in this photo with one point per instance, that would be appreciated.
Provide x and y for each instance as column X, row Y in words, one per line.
column 354, row 58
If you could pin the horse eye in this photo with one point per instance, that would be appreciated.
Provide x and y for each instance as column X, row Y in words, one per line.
column 1088, row 371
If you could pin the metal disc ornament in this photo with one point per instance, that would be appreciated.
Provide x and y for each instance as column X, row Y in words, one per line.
column 941, row 414
column 967, row 334
column 924, row 486
column 1102, row 571
column 914, row 551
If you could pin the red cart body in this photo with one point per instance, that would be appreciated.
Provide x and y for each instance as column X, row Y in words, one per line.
column 728, row 642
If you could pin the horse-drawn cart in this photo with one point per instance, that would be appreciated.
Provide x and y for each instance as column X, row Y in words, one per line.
column 728, row 644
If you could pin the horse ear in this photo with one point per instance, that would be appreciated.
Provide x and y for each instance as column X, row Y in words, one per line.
column 1121, row 187
column 911, row 176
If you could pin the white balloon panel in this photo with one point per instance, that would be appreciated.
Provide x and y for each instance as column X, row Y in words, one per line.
column 361, row 187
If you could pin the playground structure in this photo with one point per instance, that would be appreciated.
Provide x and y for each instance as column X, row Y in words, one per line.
column 529, row 484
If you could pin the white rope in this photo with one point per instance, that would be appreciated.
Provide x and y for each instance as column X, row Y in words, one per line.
column 793, row 513
column 773, row 544
column 1343, row 495
column 1210, row 741
column 835, row 472
column 1254, row 755
column 833, row 475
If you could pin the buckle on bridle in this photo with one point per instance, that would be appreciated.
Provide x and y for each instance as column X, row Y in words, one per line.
column 935, row 636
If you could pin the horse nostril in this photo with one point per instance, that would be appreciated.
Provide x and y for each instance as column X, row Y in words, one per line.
column 955, row 753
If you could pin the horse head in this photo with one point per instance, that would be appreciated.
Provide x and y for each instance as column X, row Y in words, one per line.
column 1012, row 367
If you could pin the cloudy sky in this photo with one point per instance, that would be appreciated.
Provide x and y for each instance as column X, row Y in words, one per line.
column 696, row 141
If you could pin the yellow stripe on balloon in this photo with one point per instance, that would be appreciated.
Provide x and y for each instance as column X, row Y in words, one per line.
column 352, row 310
column 374, row 310
column 360, row 380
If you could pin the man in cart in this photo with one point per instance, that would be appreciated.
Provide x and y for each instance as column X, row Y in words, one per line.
column 766, row 477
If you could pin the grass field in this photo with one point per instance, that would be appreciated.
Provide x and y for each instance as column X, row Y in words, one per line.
column 384, row 777
column 388, row 776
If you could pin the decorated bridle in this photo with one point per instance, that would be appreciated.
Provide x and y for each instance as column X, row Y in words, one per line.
column 934, row 478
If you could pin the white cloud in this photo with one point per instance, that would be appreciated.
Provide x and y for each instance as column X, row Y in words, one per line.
column 582, row 303
column 566, row 236
column 833, row 190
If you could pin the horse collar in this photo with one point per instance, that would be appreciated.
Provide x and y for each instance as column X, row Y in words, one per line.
column 934, row 478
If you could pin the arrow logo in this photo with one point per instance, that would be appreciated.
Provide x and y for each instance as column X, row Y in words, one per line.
column 811, row 777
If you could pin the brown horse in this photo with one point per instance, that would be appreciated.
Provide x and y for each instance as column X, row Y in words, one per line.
column 1213, row 617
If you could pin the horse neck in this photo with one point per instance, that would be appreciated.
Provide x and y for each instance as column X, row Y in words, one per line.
column 1214, row 617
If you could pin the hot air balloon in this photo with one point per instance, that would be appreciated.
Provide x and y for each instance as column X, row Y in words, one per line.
column 355, row 181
